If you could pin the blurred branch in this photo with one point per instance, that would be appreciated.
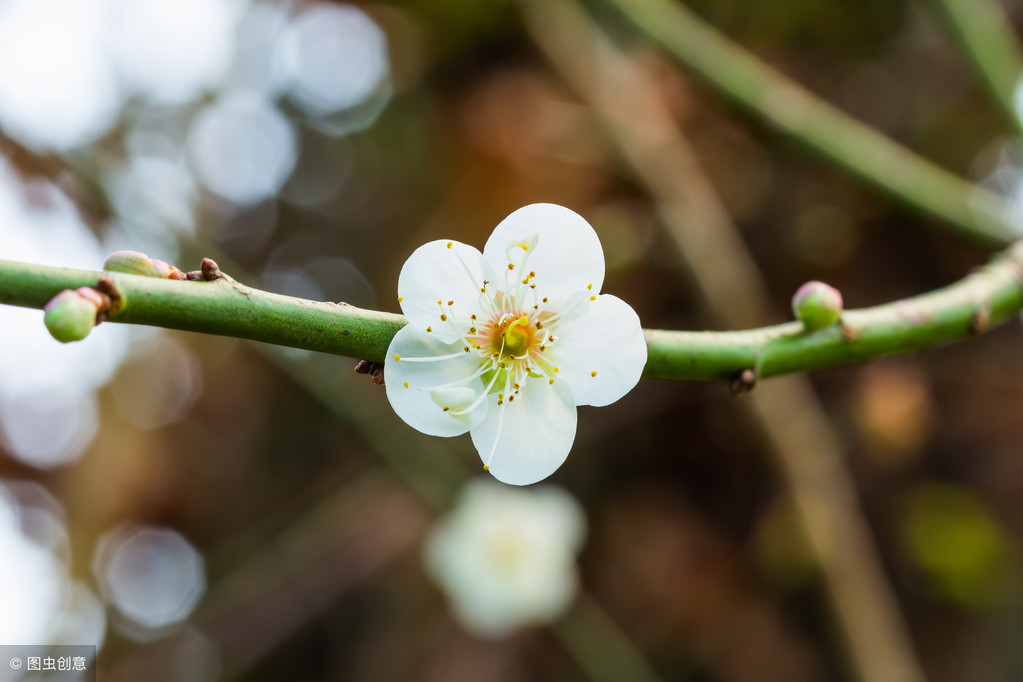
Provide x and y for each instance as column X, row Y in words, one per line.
column 985, row 34
column 785, row 414
column 859, row 149
column 224, row 307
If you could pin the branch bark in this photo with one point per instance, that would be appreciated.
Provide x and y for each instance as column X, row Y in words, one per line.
column 224, row 307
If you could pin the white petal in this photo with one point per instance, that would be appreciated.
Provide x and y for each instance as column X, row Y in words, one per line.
column 605, row 338
column 533, row 433
column 565, row 253
column 442, row 271
column 416, row 404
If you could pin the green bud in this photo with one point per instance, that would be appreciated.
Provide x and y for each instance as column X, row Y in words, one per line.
column 71, row 315
column 132, row 263
column 817, row 305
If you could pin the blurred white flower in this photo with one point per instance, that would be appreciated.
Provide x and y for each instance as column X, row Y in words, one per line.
column 505, row 344
column 506, row 556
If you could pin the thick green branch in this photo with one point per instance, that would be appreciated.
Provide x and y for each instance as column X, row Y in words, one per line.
column 857, row 148
column 222, row 307
column 226, row 308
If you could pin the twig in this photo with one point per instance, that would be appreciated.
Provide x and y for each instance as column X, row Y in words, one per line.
column 985, row 34
column 859, row 149
column 227, row 308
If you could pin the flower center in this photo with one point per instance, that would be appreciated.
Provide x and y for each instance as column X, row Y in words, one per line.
column 518, row 335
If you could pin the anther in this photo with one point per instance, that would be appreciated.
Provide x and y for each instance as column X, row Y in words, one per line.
column 466, row 349
column 397, row 357
column 443, row 317
column 400, row 299
column 589, row 286
column 406, row 383
column 511, row 266
column 450, row 244
column 549, row 381
column 593, row 373
column 593, row 298
column 429, row 329
column 544, row 299
column 446, row 409
column 451, row 302
column 532, row 274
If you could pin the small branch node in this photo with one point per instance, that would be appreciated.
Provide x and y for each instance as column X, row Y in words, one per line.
column 744, row 381
column 981, row 319
column 374, row 369
column 113, row 302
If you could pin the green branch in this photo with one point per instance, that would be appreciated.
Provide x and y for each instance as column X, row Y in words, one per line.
column 224, row 307
column 859, row 149
column 985, row 34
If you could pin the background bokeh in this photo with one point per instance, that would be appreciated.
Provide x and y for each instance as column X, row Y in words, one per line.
column 205, row 508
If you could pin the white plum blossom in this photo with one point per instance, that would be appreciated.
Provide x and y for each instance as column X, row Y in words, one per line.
column 506, row 556
column 505, row 344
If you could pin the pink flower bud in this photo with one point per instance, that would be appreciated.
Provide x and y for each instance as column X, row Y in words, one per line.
column 817, row 305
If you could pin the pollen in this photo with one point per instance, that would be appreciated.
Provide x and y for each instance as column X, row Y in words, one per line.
column 450, row 244
column 589, row 286
column 397, row 357
column 593, row 298
column 440, row 303
column 549, row 381
column 400, row 299
column 486, row 467
column 406, row 383
column 593, row 373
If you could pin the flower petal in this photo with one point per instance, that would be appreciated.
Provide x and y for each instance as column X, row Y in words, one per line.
column 447, row 272
column 561, row 248
column 526, row 440
column 605, row 338
column 429, row 383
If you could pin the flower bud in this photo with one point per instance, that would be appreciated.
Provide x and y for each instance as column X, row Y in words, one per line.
column 817, row 305
column 71, row 315
column 137, row 263
column 132, row 263
column 166, row 270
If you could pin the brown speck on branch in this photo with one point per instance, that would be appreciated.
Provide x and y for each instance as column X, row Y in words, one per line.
column 374, row 369
column 112, row 299
column 981, row 319
column 744, row 382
